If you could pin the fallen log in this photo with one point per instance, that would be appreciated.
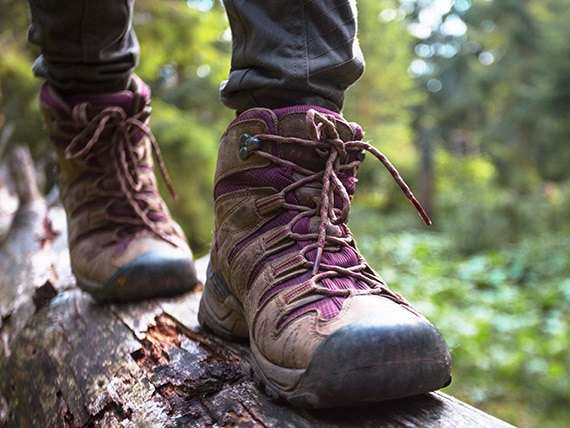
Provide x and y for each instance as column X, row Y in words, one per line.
column 67, row 361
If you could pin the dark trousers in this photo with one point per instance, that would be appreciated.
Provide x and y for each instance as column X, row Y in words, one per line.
column 283, row 52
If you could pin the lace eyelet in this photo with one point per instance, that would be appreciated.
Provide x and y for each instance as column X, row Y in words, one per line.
column 248, row 145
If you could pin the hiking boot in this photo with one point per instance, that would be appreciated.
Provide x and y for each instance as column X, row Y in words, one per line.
column 123, row 242
column 324, row 329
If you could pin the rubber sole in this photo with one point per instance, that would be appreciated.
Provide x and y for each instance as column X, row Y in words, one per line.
column 148, row 276
column 390, row 354
column 351, row 368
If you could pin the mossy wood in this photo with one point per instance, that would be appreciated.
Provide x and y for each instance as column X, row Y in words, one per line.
column 69, row 362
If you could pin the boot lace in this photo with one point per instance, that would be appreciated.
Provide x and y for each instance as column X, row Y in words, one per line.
column 135, row 185
column 326, row 141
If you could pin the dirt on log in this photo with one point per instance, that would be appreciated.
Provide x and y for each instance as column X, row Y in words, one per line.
column 66, row 361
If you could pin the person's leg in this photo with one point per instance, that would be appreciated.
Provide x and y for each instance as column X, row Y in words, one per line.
column 87, row 46
column 298, row 52
column 324, row 329
column 123, row 243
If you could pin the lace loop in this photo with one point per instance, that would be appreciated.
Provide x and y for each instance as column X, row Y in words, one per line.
column 123, row 144
column 325, row 140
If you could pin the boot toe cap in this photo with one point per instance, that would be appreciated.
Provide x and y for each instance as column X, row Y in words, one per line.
column 390, row 353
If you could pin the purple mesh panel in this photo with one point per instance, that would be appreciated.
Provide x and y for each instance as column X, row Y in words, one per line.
column 120, row 211
column 346, row 257
column 302, row 226
column 358, row 132
column 349, row 182
column 50, row 99
column 302, row 109
column 157, row 216
column 127, row 232
column 271, row 176
column 284, row 285
column 136, row 137
column 328, row 308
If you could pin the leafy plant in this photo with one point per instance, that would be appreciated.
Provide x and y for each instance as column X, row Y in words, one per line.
column 503, row 313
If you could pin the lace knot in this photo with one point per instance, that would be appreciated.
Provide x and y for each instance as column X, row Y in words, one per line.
column 116, row 139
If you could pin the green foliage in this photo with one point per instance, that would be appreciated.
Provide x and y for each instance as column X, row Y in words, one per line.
column 503, row 314
column 189, row 42
column 184, row 56
column 552, row 95
column 382, row 99
column 478, row 214
column 506, row 87
column 184, row 138
column 493, row 274
column 18, row 89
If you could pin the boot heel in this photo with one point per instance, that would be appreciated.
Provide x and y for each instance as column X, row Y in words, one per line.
column 219, row 310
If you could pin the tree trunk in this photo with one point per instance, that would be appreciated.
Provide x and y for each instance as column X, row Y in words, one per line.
column 67, row 361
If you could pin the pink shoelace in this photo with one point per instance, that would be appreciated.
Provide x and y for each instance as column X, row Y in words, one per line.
column 326, row 141
column 126, row 137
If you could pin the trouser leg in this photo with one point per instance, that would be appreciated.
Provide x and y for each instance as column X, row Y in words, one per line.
column 295, row 52
column 87, row 46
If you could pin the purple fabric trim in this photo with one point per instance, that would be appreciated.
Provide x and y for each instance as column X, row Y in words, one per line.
column 278, row 177
column 124, row 99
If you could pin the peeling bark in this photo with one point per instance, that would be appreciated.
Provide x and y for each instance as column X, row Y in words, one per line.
column 66, row 361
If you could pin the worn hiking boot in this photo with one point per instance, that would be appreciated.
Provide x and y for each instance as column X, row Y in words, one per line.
column 123, row 243
column 324, row 329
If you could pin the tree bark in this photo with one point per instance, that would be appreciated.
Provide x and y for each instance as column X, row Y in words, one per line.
column 67, row 361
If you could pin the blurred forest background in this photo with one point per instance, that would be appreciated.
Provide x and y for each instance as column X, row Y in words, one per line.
column 470, row 99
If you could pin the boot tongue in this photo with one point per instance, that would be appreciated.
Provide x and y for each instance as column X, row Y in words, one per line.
column 292, row 122
column 131, row 100
column 295, row 125
column 124, row 99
